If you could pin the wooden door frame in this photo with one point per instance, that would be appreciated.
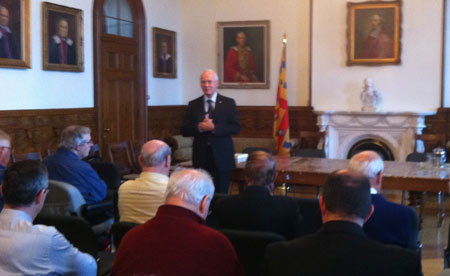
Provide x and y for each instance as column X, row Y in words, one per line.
column 139, row 34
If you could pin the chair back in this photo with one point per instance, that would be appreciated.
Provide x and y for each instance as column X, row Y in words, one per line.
column 253, row 149
column 416, row 157
column 432, row 141
column 313, row 153
column 211, row 219
column 119, row 154
column 311, row 215
column 62, row 199
column 26, row 156
column 250, row 247
column 119, row 229
column 135, row 148
column 310, row 139
column 75, row 229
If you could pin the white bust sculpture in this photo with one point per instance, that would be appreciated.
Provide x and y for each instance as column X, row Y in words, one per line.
column 369, row 96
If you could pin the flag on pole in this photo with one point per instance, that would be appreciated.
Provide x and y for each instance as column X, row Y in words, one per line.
column 281, row 123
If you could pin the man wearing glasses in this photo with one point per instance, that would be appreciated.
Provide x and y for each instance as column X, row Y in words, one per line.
column 5, row 153
column 66, row 164
column 28, row 249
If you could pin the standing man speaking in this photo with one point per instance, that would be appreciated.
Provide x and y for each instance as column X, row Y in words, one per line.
column 212, row 119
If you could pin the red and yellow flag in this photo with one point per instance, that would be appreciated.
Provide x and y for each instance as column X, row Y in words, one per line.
column 281, row 123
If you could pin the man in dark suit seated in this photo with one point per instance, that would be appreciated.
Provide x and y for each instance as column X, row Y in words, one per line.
column 390, row 222
column 256, row 209
column 340, row 247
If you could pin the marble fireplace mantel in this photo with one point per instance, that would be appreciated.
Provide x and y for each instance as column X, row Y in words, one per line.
column 395, row 129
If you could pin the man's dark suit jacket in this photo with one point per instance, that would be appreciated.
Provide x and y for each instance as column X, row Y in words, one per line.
column 226, row 123
column 389, row 223
column 255, row 209
column 340, row 248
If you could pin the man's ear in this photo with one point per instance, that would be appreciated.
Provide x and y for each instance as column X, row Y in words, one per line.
column 168, row 161
column 379, row 178
column 372, row 208
column 204, row 206
column 323, row 208
column 40, row 197
column 140, row 161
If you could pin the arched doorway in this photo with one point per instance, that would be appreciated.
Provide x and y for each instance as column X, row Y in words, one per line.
column 119, row 70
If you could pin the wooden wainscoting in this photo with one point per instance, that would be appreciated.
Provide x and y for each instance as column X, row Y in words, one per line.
column 256, row 121
column 38, row 130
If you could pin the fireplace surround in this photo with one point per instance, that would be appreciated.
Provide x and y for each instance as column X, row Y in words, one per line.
column 394, row 130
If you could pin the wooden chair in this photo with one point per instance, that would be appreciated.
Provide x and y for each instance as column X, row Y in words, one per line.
column 432, row 141
column 310, row 139
column 135, row 148
column 26, row 156
column 119, row 154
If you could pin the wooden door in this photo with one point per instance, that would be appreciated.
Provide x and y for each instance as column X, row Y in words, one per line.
column 119, row 72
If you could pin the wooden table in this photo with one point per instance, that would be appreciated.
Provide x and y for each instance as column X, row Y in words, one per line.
column 405, row 176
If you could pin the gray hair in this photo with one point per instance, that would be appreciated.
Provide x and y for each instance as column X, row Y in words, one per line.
column 73, row 136
column 150, row 159
column 191, row 185
column 4, row 135
column 260, row 168
column 368, row 163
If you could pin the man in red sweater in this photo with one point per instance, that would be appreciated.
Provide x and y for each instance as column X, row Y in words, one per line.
column 175, row 241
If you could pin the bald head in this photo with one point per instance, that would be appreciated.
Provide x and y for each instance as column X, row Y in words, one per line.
column 346, row 194
column 368, row 163
column 154, row 153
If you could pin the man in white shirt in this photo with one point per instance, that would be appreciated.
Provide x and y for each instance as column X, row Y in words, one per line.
column 28, row 249
column 139, row 199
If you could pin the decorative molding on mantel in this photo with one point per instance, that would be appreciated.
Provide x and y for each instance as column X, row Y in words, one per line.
column 345, row 128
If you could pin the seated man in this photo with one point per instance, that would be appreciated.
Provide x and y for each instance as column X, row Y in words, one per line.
column 340, row 247
column 139, row 199
column 256, row 209
column 5, row 153
column 66, row 164
column 175, row 241
column 390, row 222
column 28, row 249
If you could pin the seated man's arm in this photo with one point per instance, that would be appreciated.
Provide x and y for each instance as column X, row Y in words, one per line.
column 67, row 259
column 97, row 186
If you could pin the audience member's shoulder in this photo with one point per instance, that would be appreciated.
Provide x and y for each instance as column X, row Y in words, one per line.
column 124, row 186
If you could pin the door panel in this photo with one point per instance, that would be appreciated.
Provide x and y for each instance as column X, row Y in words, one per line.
column 120, row 80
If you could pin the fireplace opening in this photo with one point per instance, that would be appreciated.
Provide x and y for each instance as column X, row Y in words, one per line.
column 371, row 144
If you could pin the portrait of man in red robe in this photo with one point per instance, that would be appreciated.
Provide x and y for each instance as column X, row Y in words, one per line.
column 240, row 65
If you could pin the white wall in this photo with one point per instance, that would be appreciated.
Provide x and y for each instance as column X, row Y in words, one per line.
column 37, row 89
column 199, row 36
column 165, row 14
column 412, row 86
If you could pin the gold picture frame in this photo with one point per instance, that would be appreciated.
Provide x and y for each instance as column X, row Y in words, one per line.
column 243, row 54
column 374, row 33
column 164, row 53
column 15, row 51
column 62, row 38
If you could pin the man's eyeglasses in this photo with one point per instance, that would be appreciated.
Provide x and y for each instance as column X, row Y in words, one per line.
column 90, row 142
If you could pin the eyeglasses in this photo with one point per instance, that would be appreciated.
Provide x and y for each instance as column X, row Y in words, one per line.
column 90, row 142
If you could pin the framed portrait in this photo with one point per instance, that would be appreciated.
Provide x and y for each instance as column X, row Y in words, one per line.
column 164, row 53
column 15, row 33
column 243, row 54
column 374, row 33
column 62, row 38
